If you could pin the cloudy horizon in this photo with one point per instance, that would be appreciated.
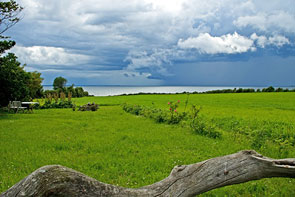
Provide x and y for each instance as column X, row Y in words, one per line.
column 158, row 42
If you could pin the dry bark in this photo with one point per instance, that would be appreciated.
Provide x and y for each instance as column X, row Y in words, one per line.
column 185, row 180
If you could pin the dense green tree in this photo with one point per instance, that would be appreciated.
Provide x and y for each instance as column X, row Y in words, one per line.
column 71, row 90
column 59, row 83
column 34, row 84
column 79, row 91
column 6, row 45
column 269, row 89
column 12, row 80
column 16, row 83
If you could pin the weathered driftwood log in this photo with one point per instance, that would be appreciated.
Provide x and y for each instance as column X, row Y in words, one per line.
column 185, row 180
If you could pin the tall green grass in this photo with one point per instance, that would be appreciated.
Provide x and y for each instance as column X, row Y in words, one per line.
column 131, row 151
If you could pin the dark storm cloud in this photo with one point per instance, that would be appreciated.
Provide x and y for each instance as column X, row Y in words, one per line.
column 153, row 42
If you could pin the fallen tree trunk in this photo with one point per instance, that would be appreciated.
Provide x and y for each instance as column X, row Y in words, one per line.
column 185, row 180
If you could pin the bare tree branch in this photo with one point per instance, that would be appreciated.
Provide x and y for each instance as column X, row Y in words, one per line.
column 9, row 12
column 185, row 180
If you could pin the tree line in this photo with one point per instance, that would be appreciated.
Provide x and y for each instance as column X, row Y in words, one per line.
column 59, row 86
column 248, row 90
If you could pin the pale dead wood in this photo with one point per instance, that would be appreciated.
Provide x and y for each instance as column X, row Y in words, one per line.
column 185, row 180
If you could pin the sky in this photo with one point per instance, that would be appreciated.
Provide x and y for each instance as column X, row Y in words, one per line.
column 158, row 42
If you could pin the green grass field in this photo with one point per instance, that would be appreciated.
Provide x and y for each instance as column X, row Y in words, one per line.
column 119, row 148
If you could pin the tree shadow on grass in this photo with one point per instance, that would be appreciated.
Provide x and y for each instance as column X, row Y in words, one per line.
column 4, row 115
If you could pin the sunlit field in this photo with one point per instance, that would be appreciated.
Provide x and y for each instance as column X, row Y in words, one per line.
column 120, row 148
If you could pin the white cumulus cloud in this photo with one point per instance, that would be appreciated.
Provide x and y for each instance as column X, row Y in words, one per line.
column 261, row 40
column 278, row 21
column 48, row 55
column 228, row 44
column 277, row 40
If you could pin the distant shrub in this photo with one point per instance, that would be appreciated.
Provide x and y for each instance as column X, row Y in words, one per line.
column 62, row 96
column 89, row 107
column 247, row 90
column 174, row 115
column 269, row 89
column 70, row 91
column 133, row 109
column 282, row 90
column 239, row 90
column 158, row 115
column 279, row 90
column 53, row 101
column 70, row 96
column 61, row 104
column 55, row 96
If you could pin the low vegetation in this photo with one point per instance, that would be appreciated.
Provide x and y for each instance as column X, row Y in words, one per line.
column 74, row 92
column 219, row 91
column 189, row 119
column 249, row 90
column 88, row 107
column 134, row 149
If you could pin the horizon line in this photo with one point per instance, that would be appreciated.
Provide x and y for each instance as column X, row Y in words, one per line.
column 183, row 85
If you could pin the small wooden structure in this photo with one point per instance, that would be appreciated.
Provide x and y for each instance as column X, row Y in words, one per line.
column 16, row 106
column 29, row 105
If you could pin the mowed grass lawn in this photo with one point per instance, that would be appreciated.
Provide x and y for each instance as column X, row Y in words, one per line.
column 115, row 147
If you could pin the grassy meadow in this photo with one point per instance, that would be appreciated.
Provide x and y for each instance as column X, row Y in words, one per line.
column 120, row 148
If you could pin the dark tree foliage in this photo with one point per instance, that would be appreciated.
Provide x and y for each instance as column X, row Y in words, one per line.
column 12, row 78
column 34, row 85
column 59, row 83
column 6, row 45
column 269, row 89
column 16, row 83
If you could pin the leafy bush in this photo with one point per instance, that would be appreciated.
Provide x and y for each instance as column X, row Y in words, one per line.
column 89, row 107
column 173, row 116
column 70, row 91
column 198, row 125
column 269, row 89
column 158, row 115
column 248, row 90
column 133, row 109
column 201, row 128
column 60, row 104
column 54, row 101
